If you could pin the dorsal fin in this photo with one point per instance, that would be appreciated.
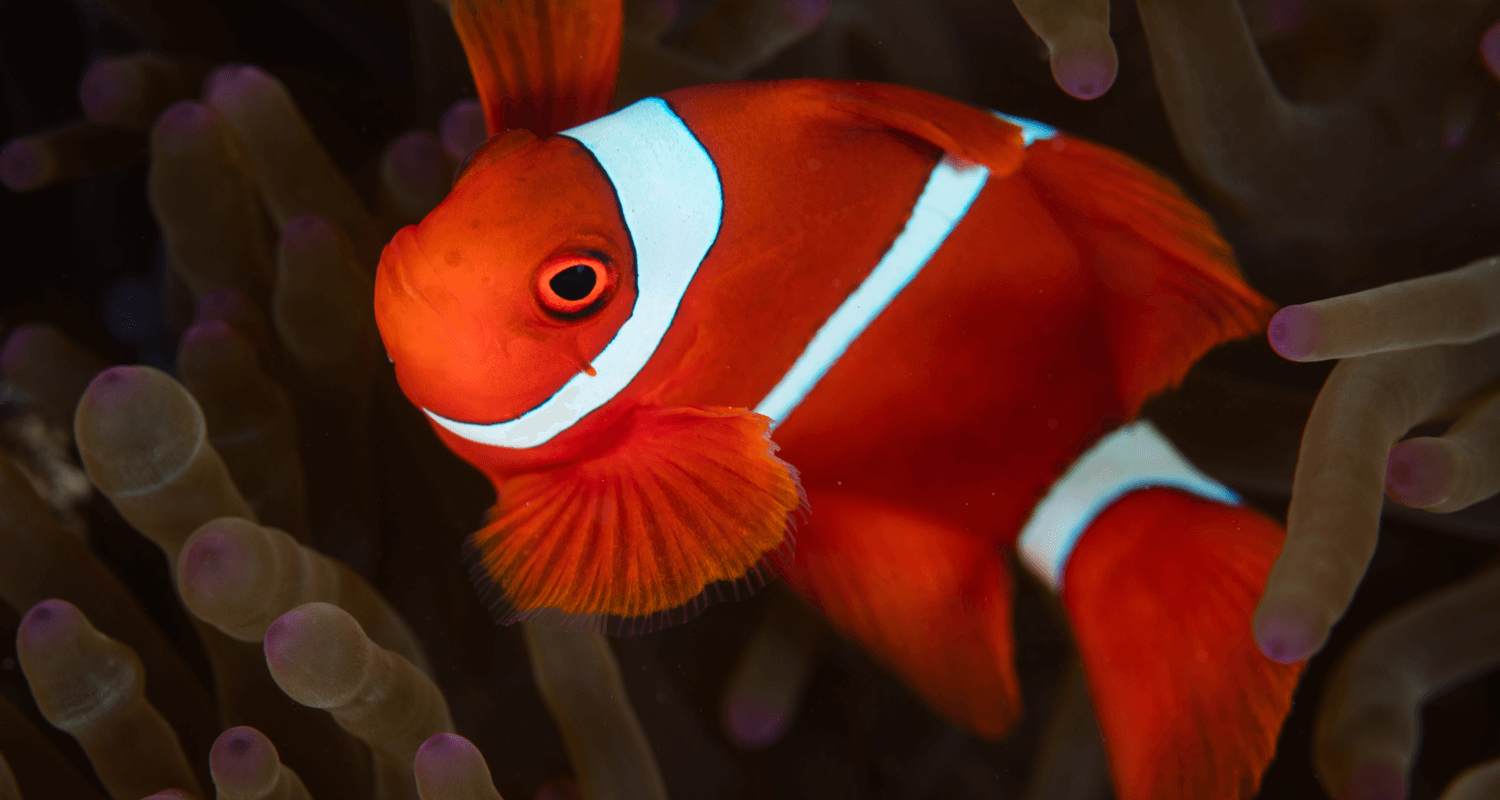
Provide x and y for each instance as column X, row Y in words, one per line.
column 1169, row 286
column 542, row 65
column 953, row 127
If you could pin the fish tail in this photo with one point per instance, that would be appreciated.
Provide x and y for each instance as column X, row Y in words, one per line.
column 930, row 601
column 1160, row 591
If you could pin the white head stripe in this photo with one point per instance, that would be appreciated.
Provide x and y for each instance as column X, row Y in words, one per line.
column 1031, row 130
column 1135, row 456
column 950, row 191
column 673, row 203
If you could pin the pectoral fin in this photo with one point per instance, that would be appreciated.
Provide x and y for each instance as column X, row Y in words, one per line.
column 691, row 506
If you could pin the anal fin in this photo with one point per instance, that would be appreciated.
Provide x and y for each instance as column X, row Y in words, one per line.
column 931, row 601
column 689, row 503
column 1160, row 591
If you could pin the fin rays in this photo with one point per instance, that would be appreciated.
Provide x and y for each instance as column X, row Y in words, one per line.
column 542, row 65
column 1189, row 707
column 931, row 601
column 692, row 507
column 1169, row 287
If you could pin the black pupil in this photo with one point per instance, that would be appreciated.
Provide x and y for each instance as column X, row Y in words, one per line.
column 574, row 283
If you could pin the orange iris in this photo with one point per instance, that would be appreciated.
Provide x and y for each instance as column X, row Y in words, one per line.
column 572, row 286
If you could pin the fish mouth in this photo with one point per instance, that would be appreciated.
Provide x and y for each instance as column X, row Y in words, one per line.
column 418, row 308
column 398, row 291
column 402, row 250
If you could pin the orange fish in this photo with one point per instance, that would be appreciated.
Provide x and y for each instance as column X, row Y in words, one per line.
column 916, row 332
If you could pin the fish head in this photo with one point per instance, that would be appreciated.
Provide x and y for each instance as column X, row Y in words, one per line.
column 511, row 286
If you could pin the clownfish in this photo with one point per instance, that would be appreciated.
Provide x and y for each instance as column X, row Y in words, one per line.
column 911, row 334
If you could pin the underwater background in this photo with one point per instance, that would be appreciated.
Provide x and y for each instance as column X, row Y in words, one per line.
column 87, row 256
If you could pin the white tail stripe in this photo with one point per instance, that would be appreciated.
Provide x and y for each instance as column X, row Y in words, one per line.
column 1133, row 457
column 950, row 190
column 673, row 203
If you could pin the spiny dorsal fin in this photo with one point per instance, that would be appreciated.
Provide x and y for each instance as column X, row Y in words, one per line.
column 542, row 65
column 953, row 127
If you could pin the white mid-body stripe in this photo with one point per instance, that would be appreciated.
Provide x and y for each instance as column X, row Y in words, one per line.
column 1133, row 457
column 673, row 203
column 950, row 190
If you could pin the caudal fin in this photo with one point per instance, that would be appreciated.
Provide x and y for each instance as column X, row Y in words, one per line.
column 1160, row 590
column 541, row 65
column 931, row 601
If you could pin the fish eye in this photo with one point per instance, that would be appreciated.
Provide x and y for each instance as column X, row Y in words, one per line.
column 574, row 286
column 574, row 283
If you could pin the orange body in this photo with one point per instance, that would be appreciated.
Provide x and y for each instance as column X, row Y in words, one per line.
column 1013, row 348
column 1072, row 287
